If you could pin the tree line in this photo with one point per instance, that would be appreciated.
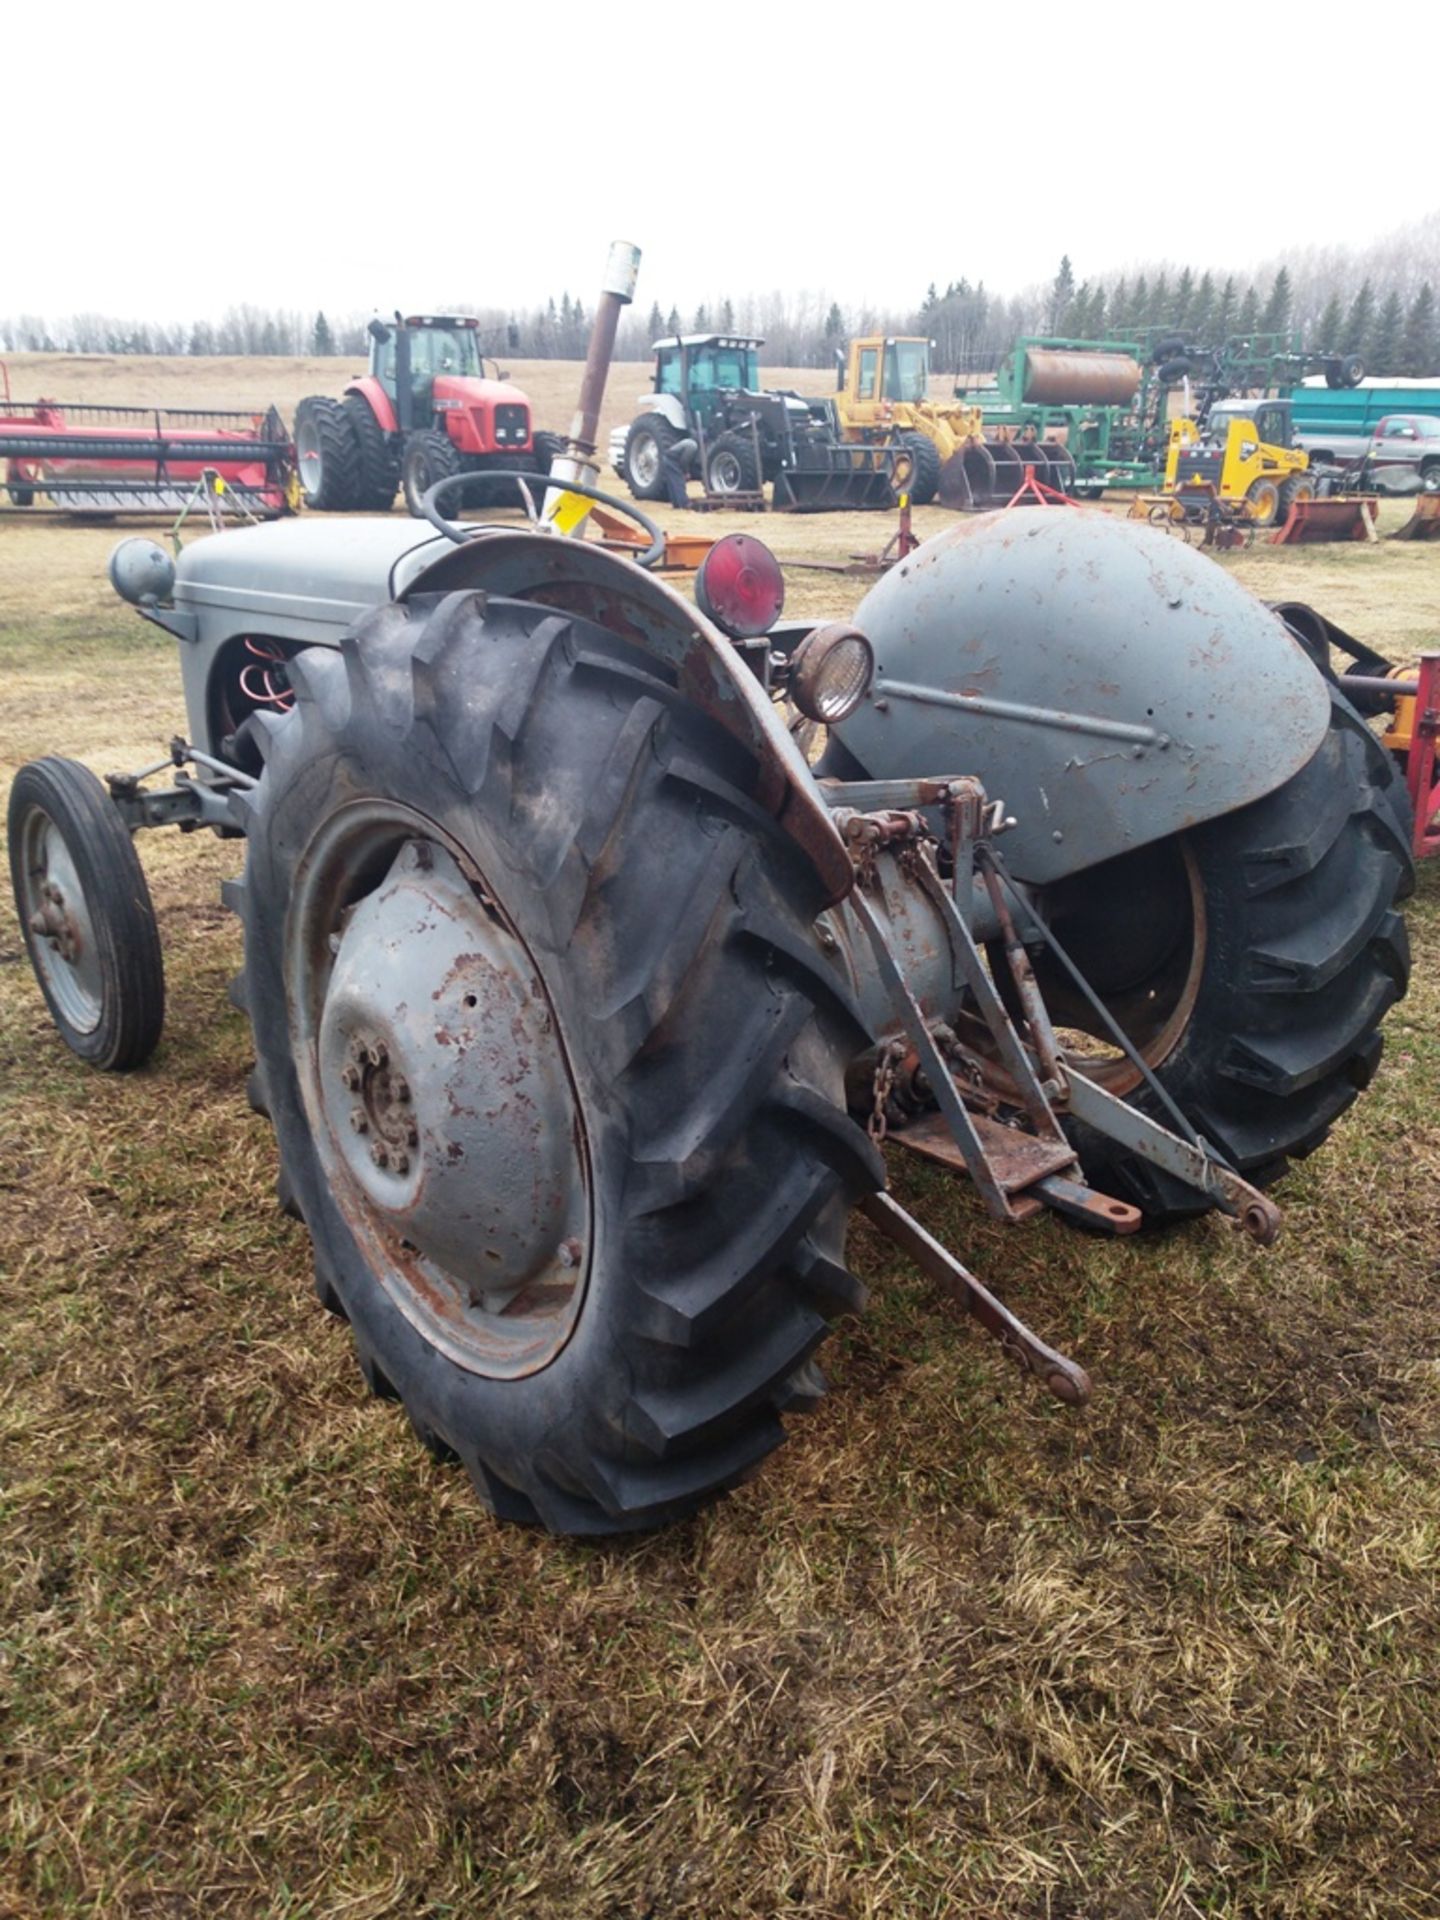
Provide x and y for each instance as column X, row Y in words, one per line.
column 1378, row 301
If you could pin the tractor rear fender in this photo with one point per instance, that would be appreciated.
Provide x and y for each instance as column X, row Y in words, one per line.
column 703, row 666
column 375, row 397
column 669, row 406
column 1111, row 685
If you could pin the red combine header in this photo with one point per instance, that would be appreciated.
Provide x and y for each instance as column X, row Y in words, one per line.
column 104, row 459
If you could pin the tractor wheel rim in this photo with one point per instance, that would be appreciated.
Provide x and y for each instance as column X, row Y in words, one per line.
column 725, row 473
column 438, row 1089
column 1155, row 1014
column 643, row 459
column 62, row 933
column 308, row 456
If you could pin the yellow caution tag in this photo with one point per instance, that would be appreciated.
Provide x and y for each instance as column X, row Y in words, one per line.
column 569, row 510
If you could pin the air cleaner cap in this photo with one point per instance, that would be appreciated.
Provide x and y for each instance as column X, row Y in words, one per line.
column 740, row 586
column 142, row 572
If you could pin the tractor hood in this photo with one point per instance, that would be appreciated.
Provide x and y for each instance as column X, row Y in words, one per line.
column 308, row 578
column 1111, row 685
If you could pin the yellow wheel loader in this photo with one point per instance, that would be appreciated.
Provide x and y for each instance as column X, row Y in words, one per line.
column 882, row 398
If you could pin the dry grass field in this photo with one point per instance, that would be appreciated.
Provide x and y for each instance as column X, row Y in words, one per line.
column 956, row 1651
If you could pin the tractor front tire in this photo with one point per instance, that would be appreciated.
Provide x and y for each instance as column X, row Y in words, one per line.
column 86, row 915
column 547, row 448
column 1263, row 499
column 1294, row 951
column 554, row 1061
column 925, row 479
column 1299, row 486
column 327, row 456
column 430, row 457
column 650, row 438
column 378, row 474
column 731, row 466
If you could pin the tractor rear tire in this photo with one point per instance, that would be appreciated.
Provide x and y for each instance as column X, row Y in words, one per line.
column 731, row 466
column 542, row 775
column 925, row 480
column 1303, row 954
column 547, row 448
column 430, row 457
column 1299, row 486
column 327, row 456
column 378, row 476
column 649, row 440
column 98, row 961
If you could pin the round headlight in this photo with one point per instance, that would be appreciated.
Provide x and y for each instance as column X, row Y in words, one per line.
column 830, row 673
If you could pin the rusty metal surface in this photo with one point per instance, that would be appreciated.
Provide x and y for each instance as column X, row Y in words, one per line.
column 1424, row 521
column 438, row 1091
column 1337, row 517
column 1057, row 378
column 1017, row 1159
column 1100, row 1210
column 1059, row 1375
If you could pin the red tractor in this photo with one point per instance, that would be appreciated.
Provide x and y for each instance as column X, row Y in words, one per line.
column 426, row 410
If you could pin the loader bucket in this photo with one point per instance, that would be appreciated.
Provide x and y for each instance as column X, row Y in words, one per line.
column 831, row 479
column 967, row 479
column 1424, row 522
column 1337, row 517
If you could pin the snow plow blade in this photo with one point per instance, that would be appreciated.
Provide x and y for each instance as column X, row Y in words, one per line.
column 1424, row 522
column 1337, row 517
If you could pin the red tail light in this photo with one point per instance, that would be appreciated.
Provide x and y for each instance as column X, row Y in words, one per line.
column 740, row 587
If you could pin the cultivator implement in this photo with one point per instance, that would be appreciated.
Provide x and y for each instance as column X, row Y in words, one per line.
column 85, row 459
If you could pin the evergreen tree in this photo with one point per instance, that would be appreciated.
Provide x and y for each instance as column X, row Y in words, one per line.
column 1120, row 306
column 1061, row 293
column 835, row 322
column 1224, row 321
column 1326, row 338
column 672, row 320
column 701, row 322
column 322, row 341
column 1139, row 315
column 1096, row 319
column 1201, row 317
column 1184, row 299
column 1157, row 307
column 1418, row 354
column 1387, row 340
column 657, row 320
column 1276, row 317
column 1247, row 320
column 727, row 317
column 1359, row 320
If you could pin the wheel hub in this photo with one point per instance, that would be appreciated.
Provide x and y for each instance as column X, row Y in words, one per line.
column 446, row 1104
column 57, row 915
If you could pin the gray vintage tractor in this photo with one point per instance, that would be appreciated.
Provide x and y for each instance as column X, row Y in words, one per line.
column 582, row 1002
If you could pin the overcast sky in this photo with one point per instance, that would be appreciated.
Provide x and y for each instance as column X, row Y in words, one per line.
column 168, row 164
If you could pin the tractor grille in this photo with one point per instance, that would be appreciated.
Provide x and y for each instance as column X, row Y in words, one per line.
column 1204, row 464
column 512, row 426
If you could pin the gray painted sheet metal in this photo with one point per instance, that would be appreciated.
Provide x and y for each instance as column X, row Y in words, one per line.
column 1109, row 683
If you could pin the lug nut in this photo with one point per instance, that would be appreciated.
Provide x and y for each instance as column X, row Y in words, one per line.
column 359, row 1120
column 378, row 1053
column 570, row 1251
column 37, row 923
column 412, row 1136
column 400, row 1160
column 380, row 1154
column 351, row 1076
column 401, row 1090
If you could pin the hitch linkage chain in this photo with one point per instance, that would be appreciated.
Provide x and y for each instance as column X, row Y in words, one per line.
column 1017, row 1163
